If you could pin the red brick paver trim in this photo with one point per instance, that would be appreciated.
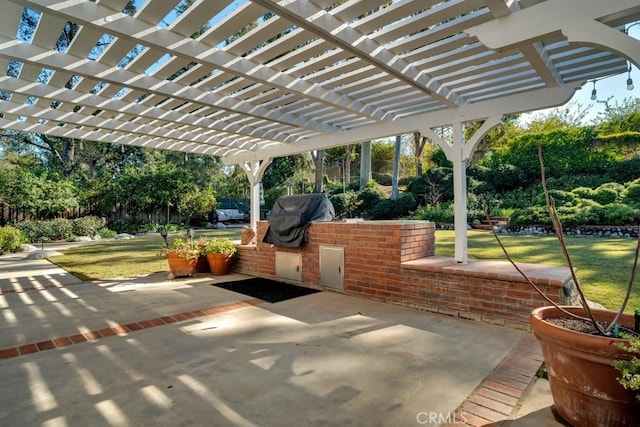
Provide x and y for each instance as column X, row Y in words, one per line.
column 499, row 394
column 60, row 342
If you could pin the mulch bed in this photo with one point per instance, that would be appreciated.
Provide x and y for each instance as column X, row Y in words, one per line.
column 266, row 289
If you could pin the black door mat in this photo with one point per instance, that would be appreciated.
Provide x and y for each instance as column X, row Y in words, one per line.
column 266, row 289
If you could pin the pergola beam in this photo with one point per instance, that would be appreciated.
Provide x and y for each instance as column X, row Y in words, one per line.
column 534, row 100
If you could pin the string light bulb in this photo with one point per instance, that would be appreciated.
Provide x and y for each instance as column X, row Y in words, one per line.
column 594, row 94
column 629, row 80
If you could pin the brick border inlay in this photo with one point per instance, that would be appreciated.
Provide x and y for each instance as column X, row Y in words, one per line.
column 61, row 342
column 500, row 393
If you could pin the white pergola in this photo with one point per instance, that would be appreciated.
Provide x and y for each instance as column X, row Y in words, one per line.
column 307, row 75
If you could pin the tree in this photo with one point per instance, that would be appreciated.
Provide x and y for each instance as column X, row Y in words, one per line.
column 565, row 117
column 419, row 142
column 283, row 169
column 620, row 117
column 318, row 161
column 396, row 167
column 194, row 202
column 57, row 197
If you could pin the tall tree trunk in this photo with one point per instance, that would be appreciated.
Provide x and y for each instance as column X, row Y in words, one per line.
column 347, row 165
column 396, row 168
column 318, row 161
column 68, row 156
column 419, row 143
column 365, row 163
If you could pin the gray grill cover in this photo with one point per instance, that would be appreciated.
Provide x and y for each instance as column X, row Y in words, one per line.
column 291, row 215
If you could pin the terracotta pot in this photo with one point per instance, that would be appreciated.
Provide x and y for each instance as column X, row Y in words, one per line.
column 202, row 264
column 582, row 380
column 219, row 263
column 181, row 266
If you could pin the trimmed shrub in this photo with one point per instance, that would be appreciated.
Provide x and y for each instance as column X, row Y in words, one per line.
column 617, row 213
column 583, row 192
column 619, row 188
column 506, row 177
column 574, row 215
column 561, row 198
column 124, row 225
column 105, row 233
column 529, row 216
column 516, row 199
column 605, row 195
column 87, row 225
column 436, row 184
column 442, row 212
column 344, row 203
column 55, row 229
column 631, row 195
column 407, row 180
column 392, row 209
column 10, row 239
column 61, row 229
column 382, row 178
column 368, row 198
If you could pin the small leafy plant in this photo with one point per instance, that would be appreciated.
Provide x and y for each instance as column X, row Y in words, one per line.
column 630, row 369
column 219, row 245
column 187, row 249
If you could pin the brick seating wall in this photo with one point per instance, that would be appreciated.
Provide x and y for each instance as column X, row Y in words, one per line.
column 394, row 262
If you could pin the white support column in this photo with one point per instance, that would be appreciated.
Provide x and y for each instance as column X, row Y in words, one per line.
column 254, row 170
column 459, row 193
column 459, row 153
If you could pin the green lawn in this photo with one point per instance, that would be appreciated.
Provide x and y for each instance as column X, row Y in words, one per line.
column 604, row 265
column 125, row 258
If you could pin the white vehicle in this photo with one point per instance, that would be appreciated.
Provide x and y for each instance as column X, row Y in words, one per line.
column 234, row 215
column 222, row 216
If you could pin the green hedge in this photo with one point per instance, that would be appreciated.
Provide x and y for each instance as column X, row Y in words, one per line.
column 10, row 239
column 344, row 204
column 442, row 212
column 55, row 229
column 392, row 209
column 87, row 225
column 61, row 229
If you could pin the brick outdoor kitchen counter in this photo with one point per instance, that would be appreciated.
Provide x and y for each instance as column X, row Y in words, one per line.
column 395, row 262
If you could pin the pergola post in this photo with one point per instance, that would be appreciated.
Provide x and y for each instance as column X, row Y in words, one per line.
column 255, row 170
column 459, row 193
column 459, row 153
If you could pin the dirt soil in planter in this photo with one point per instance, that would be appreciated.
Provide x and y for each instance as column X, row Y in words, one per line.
column 585, row 326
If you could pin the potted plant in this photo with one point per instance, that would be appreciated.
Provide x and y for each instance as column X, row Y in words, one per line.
column 182, row 256
column 630, row 369
column 220, row 252
column 580, row 346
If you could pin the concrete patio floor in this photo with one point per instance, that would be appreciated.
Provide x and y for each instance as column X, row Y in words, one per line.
column 148, row 351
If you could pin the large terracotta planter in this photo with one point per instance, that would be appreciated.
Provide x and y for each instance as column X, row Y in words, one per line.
column 219, row 263
column 180, row 266
column 202, row 264
column 582, row 380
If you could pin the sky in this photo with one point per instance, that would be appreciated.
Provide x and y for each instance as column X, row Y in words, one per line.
column 614, row 87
